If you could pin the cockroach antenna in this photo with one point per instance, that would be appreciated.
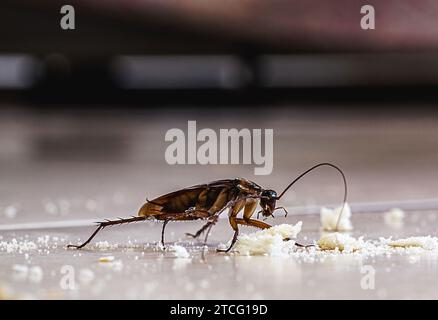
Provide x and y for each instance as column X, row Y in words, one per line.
column 313, row 168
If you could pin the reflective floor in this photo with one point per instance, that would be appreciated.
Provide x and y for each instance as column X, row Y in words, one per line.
column 84, row 166
column 138, row 269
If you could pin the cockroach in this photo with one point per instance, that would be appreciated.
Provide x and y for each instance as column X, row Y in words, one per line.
column 208, row 201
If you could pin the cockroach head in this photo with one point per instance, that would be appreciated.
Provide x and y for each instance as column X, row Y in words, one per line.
column 268, row 199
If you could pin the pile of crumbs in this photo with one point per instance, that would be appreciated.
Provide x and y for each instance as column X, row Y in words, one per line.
column 18, row 246
column 331, row 217
column 179, row 251
column 340, row 241
column 105, row 245
column 268, row 241
column 394, row 217
column 275, row 242
column 9, row 212
column 427, row 243
column 23, row 245
column 335, row 244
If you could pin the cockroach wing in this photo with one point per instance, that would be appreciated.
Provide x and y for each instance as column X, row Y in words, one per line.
column 179, row 201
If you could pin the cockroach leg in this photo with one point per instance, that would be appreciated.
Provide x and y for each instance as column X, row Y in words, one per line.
column 245, row 222
column 234, row 224
column 100, row 227
column 206, row 226
column 301, row 245
column 305, row 246
column 162, row 231
column 105, row 224
column 233, row 241
column 253, row 223
column 208, row 233
column 200, row 231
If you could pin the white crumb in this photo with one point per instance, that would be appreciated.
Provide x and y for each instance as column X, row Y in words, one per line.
column 17, row 246
column 428, row 243
column 110, row 262
column 284, row 230
column 222, row 247
column 394, row 217
column 330, row 217
column 50, row 207
column 274, row 241
column 179, row 251
column 102, row 245
column 10, row 212
column 337, row 243
column 43, row 240
column 331, row 245
column 342, row 242
column 106, row 259
column 159, row 247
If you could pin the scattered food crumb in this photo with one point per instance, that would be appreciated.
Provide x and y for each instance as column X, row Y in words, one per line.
column 394, row 217
column 116, row 265
column 17, row 246
column 103, row 245
column 179, row 251
column 106, row 259
column 336, row 240
column 50, row 208
column 269, row 241
column 10, row 212
column 428, row 243
column 109, row 261
column 159, row 247
column 330, row 217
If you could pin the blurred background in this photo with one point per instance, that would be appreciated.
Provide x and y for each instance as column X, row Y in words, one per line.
column 83, row 112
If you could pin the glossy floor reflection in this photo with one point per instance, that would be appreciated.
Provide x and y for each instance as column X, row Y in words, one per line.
column 85, row 166
column 137, row 269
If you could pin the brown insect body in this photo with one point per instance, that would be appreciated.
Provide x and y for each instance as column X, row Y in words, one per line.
column 203, row 201
column 208, row 201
